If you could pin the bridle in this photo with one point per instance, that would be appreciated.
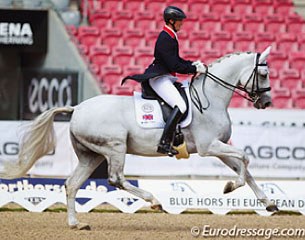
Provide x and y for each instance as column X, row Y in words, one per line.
column 253, row 95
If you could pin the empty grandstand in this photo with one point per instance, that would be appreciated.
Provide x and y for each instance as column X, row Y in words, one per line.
column 120, row 36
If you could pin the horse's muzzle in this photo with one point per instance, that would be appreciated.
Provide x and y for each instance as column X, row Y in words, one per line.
column 263, row 102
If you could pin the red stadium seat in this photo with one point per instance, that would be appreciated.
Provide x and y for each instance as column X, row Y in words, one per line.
column 100, row 54
column 190, row 54
column 184, row 41
column 295, row 23
column 282, row 102
column 299, row 102
column 198, row 7
column 122, row 56
column 303, row 76
column 278, row 60
column 155, row 6
column 298, row 96
column 134, row 38
column 111, row 74
column 275, row 84
column 273, row 74
column 284, row 7
column 101, row 19
column 297, row 60
column 122, row 19
column 200, row 40
column 231, row 23
column 134, row 6
column 191, row 24
column 208, row 56
column 112, row 37
column 301, row 41
column 263, row 7
column 242, row 7
column 281, row 98
column 151, row 37
column 88, row 35
column 263, row 40
column 289, row 78
column 244, row 41
column 144, row 56
column 222, row 41
column 220, row 7
column 112, row 5
column 210, row 22
column 145, row 20
column 287, row 42
column 133, row 69
column 253, row 23
column 275, row 24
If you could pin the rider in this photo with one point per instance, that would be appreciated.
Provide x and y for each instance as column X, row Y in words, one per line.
column 161, row 74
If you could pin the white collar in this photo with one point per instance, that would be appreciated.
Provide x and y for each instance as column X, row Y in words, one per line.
column 167, row 27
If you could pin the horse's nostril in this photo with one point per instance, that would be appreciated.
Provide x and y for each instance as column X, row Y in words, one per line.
column 268, row 104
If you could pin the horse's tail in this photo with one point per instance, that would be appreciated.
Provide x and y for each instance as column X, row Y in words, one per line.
column 38, row 140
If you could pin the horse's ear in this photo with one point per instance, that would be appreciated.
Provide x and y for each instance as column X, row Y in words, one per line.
column 264, row 55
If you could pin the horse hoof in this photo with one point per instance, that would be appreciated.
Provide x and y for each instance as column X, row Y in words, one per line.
column 272, row 208
column 81, row 226
column 157, row 207
column 229, row 187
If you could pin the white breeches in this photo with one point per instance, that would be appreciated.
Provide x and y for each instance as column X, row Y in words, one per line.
column 164, row 87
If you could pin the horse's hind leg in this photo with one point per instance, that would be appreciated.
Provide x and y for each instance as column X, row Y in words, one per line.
column 116, row 178
column 88, row 162
column 234, row 164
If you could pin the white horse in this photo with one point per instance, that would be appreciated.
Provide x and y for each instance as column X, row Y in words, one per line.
column 104, row 128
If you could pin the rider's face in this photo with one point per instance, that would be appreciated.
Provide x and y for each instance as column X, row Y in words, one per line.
column 178, row 24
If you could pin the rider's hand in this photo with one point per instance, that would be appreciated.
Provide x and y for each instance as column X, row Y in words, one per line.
column 200, row 67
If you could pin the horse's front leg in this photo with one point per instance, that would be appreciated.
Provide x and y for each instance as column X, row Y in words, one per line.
column 234, row 164
column 223, row 151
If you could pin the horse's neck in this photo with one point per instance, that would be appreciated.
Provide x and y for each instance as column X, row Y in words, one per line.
column 228, row 69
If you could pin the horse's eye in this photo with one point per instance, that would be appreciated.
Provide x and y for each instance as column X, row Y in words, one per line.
column 263, row 72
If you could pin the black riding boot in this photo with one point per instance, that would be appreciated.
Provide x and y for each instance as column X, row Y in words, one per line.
column 165, row 145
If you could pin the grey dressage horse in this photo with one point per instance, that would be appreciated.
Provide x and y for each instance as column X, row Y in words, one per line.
column 104, row 128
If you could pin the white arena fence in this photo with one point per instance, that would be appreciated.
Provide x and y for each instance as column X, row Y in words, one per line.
column 176, row 196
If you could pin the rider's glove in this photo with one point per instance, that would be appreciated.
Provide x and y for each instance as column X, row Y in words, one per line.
column 200, row 67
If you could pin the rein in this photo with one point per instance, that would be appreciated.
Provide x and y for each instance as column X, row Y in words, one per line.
column 253, row 95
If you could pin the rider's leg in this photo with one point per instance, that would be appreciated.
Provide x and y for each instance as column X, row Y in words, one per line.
column 164, row 87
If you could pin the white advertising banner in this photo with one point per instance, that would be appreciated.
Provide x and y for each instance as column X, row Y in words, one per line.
column 177, row 196
column 273, row 140
column 59, row 163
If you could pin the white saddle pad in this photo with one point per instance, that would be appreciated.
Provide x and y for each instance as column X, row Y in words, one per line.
column 149, row 113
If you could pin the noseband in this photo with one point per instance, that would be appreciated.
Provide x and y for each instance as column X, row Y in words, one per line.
column 253, row 95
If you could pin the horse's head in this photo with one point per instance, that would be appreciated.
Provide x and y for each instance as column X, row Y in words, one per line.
column 256, row 81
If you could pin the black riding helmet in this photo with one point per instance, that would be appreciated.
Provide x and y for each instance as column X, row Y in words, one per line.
column 173, row 13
